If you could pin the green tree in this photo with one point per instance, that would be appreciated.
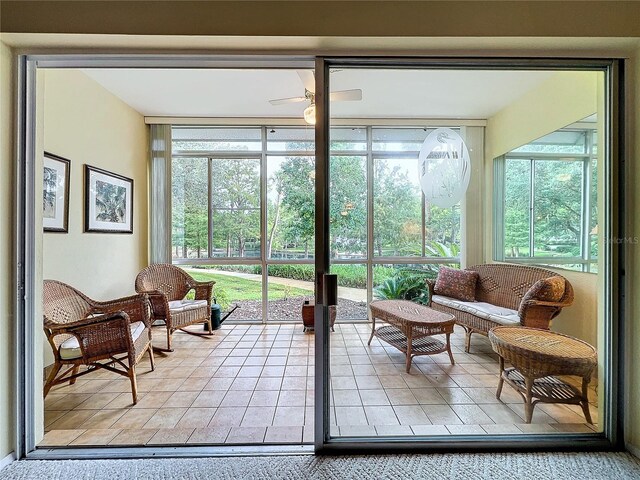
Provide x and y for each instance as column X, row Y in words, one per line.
column 236, row 204
column 396, row 211
column 348, row 205
column 295, row 184
column 190, row 195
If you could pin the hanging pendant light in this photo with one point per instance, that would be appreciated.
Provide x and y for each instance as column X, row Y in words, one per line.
column 310, row 114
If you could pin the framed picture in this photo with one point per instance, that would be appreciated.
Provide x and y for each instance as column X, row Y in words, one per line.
column 108, row 201
column 55, row 193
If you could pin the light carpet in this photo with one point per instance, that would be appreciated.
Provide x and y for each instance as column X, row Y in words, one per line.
column 551, row 466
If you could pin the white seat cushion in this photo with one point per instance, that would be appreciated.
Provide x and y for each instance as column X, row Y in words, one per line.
column 178, row 306
column 70, row 348
column 488, row 311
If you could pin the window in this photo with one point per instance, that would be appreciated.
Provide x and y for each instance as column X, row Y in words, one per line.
column 243, row 206
column 545, row 201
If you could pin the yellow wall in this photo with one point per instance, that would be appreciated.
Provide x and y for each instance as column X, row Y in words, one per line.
column 88, row 125
column 7, row 366
column 563, row 99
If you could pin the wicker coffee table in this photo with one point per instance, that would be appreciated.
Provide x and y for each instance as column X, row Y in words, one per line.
column 411, row 327
column 537, row 355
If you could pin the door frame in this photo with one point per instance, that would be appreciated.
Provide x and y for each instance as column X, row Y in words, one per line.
column 25, row 272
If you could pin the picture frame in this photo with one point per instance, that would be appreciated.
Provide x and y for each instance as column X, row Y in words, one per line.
column 108, row 206
column 55, row 193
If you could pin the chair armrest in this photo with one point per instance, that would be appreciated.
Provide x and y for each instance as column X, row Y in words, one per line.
column 159, row 303
column 135, row 306
column 59, row 328
column 98, row 336
column 543, row 303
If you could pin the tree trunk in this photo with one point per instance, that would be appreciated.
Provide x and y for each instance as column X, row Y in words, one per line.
column 306, row 248
column 240, row 246
column 228, row 244
column 275, row 224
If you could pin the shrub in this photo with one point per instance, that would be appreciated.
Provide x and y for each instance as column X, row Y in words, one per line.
column 407, row 284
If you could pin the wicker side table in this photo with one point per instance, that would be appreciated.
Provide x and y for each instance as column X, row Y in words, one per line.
column 411, row 327
column 537, row 355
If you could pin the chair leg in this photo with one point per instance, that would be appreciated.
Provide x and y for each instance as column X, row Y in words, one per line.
column 151, row 359
column 501, row 379
column 467, row 344
column 584, row 402
column 76, row 369
column 210, row 326
column 169, row 340
column 528, row 403
column 134, row 385
column 52, row 376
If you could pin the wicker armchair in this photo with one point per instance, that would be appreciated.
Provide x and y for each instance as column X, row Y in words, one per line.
column 167, row 286
column 112, row 335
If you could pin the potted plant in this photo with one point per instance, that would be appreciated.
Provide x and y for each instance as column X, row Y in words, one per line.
column 308, row 320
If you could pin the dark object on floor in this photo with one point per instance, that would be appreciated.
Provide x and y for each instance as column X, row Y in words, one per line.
column 307, row 316
column 216, row 312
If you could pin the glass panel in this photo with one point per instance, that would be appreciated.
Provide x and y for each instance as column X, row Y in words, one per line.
column 213, row 139
column 236, row 285
column 557, row 208
column 442, row 238
column 593, row 216
column 352, row 291
column 348, row 139
column 235, row 201
column 285, row 139
column 399, row 139
column 291, row 207
column 348, row 210
column 189, row 216
column 517, row 198
column 289, row 286
column 561, row 141
column 397, row 211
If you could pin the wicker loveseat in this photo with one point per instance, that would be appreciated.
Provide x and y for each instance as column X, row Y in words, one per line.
column 503, row 296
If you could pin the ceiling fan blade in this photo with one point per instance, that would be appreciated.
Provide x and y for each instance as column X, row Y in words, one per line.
column 308, row 79
column 282, row 101
column 346, row 95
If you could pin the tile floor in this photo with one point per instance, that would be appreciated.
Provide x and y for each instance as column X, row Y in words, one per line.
column 253, row 384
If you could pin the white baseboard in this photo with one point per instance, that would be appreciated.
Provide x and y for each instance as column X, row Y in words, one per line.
column 635, row 451
column 7, row 460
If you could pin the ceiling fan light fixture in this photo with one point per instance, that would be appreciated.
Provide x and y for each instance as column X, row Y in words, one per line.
column 310, row 114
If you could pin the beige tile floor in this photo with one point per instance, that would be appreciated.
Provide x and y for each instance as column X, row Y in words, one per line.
column 253, row 384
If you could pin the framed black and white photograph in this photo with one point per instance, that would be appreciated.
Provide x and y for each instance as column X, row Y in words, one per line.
column 55, row 193
column 108, row 202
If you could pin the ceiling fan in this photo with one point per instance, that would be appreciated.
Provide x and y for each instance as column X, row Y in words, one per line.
column 309, row 82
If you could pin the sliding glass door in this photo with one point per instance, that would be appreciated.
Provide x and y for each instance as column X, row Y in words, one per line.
column 401, row 200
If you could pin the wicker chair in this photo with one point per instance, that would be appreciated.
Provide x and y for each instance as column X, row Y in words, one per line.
column 106, row 335
column 505, row 286
column 167, row 287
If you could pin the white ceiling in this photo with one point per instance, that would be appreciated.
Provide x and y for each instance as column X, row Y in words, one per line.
column 385, row 93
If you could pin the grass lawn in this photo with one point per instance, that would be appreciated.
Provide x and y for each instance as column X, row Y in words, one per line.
column 229, row 289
